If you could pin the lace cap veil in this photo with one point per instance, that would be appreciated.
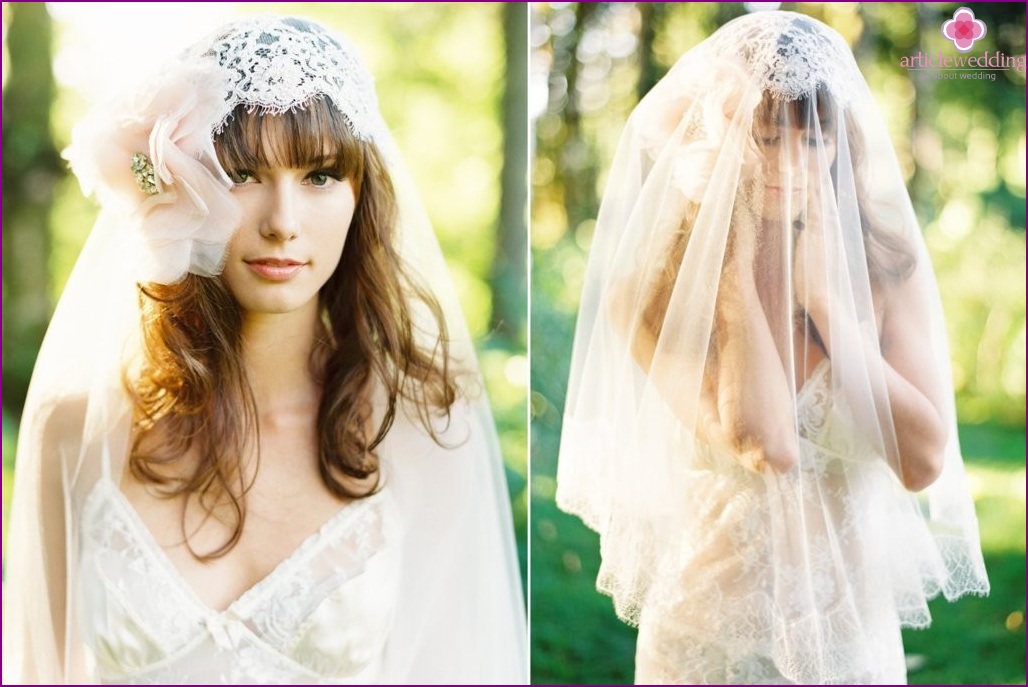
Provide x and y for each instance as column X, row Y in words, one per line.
column 759, row 324
column 166, row 211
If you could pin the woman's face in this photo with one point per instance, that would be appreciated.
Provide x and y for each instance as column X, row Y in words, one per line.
column 793, row 158
column 294, row 225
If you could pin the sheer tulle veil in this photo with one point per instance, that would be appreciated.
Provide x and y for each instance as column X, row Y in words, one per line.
column 759, row 322
column 168, row 213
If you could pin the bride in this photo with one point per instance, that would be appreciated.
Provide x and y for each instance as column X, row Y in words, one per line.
column 760, row 421
column 255, row 448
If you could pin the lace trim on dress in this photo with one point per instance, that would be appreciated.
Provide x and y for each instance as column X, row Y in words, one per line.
column 270, row 614
column 112, row 524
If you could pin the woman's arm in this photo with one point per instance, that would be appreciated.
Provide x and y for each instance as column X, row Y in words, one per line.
column 753, row 399
column 746, row 407
column 36, row 609
column 62, row 438
column 911, row 392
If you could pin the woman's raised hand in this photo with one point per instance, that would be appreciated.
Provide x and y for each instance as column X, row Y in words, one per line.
column 810, row 260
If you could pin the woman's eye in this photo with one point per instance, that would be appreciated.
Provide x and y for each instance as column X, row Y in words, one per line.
column 322, row 177
column 241, row 176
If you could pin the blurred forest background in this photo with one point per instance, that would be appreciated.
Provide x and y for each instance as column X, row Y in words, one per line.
column 451, row 82
column 962, row 147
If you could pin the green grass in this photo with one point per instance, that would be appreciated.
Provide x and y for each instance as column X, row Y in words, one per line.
column 970, row 641
column 576, row 637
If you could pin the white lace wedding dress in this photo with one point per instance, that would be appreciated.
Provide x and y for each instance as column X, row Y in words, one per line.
column 714, row 621
column 324, row 615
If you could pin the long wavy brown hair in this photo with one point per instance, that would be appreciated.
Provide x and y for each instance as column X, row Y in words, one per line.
column 190, row 391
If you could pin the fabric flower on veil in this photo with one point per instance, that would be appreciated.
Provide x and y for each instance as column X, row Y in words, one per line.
column 151, row 162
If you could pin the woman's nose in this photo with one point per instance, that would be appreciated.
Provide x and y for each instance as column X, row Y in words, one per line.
column 797, row 150
column 281, row 220
column 792, row 155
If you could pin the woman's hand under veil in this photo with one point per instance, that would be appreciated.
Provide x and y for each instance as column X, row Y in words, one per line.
column 811, row 261
column 884, row 343
column 750, row 390
column 810, row 272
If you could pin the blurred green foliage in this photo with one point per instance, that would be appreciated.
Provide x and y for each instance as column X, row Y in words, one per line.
column 440, row 72
column 961, row 146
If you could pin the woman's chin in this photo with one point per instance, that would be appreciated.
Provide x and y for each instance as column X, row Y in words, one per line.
column 774, row 212
column 281, row 305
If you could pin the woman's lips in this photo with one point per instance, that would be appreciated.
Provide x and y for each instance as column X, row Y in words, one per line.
column 275, row 269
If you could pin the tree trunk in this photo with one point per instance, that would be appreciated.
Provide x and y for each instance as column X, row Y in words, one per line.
column 648, row 21
column 31, row 169
column 510, row 269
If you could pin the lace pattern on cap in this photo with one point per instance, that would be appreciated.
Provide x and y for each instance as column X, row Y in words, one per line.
column 279, row 64
column 791, row 54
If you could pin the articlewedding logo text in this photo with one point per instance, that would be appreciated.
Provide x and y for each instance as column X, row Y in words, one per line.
column 989, row 60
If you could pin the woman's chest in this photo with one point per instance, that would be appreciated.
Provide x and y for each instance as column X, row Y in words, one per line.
column 325, row 609
column 273, row 518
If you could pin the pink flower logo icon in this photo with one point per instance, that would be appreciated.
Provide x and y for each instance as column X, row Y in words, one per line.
column 963, row 29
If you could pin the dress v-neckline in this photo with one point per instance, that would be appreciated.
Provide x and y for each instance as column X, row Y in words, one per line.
column 241, row 607
column 820, row 369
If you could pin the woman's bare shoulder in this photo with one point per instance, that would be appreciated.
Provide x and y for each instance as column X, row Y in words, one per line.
column 55, row 431
column 62, row 419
